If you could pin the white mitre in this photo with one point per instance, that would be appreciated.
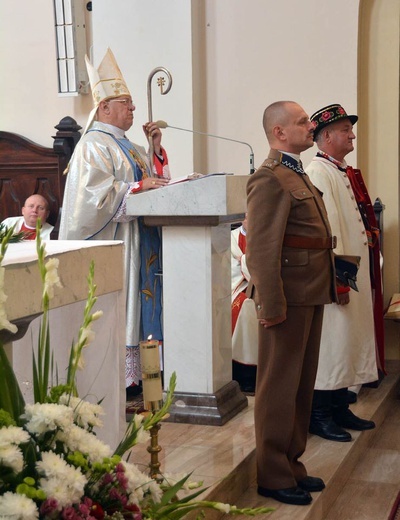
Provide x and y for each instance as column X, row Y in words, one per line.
column 106, row 82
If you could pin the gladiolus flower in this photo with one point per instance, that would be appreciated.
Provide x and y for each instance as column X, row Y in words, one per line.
column 51, row 278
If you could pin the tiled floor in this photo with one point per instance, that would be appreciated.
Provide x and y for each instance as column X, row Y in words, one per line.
column 362, row 477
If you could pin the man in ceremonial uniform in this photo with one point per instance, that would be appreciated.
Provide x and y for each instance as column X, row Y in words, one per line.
column 290, row 259
column 105, row 169
column 347, row 355
column 34, row 207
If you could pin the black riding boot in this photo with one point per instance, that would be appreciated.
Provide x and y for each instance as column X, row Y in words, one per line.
column 321, row 422
column 343, row 416
column 245, row 375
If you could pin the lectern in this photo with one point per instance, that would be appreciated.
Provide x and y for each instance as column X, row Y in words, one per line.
column 196, row 216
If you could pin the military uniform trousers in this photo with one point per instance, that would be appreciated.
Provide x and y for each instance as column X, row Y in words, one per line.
column 287, row 367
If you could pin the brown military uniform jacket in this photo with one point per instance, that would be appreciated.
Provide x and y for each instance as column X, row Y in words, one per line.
column 282, row 202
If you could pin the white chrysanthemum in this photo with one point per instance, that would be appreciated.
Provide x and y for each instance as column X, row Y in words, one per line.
column 42, row 418
column 52, row 465
column 78, row 439
column 60, row 480
column 17, row 507
column 85, row 413
column 51, row 278
column 138, row 482
column 11, row 456
column 155, row 491
column 13, row 435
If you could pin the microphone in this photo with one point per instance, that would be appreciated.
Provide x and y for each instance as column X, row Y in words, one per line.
column 164, row 124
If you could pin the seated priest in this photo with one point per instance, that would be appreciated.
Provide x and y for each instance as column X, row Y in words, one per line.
column 35, row 206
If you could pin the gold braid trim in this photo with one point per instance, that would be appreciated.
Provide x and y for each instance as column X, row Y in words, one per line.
column 138, row 159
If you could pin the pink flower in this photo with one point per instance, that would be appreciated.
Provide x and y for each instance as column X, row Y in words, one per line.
column 326, row 115
column 84, row 509
column 133, row 508
column 69, row 513
column 115, row 494
column 49, row 506
column 121, row 478
column 107, row 479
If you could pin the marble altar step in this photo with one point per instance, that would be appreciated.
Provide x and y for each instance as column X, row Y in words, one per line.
column 223, row 457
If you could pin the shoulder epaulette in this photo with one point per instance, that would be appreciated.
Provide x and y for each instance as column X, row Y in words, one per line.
column 271, row 163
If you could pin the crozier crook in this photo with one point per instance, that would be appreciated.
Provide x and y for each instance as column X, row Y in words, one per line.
column 161, row 84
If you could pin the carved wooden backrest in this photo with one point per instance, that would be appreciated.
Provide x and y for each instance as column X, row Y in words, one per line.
column 27, row 168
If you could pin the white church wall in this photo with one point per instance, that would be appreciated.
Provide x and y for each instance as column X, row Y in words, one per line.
column 29, row 100
column 144, row 35
column 246, row 54
column 261, row 51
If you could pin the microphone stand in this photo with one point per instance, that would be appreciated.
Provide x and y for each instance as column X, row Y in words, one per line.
column 163, row 124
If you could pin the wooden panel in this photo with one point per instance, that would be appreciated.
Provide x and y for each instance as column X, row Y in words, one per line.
column 27, row 168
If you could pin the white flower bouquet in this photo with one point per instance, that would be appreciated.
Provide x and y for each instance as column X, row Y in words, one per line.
column 52, row 465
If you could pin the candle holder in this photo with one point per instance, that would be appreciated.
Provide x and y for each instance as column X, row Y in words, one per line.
column 152, row 396
column 154, row 449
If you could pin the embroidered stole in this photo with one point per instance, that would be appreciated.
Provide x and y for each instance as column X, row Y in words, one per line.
column 150, row 247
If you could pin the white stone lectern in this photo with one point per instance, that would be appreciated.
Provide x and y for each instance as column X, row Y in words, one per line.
column 195, row 216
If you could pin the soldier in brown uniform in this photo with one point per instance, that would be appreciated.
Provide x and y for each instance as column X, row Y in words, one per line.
column 290, row 259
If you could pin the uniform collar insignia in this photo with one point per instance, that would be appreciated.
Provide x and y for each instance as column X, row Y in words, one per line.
column 291, row 163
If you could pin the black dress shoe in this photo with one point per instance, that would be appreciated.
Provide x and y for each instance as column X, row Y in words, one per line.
column 133, row 391
column 293, row 495
column 347, row 419
column 328, row 429
column 351, row 397
column 311, row 484
column 248, row 387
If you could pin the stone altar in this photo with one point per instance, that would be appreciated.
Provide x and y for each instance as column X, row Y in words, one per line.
column 104, row 373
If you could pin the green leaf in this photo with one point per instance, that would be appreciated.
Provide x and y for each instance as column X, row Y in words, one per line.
column 12, row 236
column 172, row 491
column 42, row 363
column 11, row 399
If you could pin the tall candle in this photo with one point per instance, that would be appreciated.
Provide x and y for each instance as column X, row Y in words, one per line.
column 151, row 374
